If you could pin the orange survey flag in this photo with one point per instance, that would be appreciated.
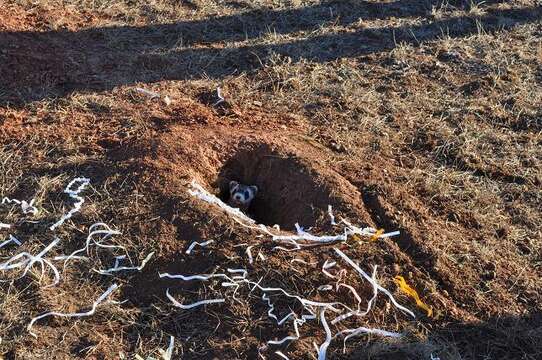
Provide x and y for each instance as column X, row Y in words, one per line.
column 400, row 281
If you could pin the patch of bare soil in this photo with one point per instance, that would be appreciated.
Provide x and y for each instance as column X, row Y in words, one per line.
column 448, row 157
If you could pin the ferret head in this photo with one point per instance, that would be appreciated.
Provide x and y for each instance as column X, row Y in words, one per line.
column 242, row 195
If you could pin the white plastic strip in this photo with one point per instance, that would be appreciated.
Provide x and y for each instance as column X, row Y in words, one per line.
column 279, row 353
column 390, row 234
column 105, row 231
column 249, row 254
column 272, row 307
column 74, row 194
column 237, row 271
column 331, row 216
column 166, row 355
column 12, row 239
column 369, row 304
column 325, row 287
column 193, row 245
column 64, row 257
column 323, row 348
column 327, row 265
column 26, row 207
column 364, row 330
column 88, row 313
column 303, row 301
column 351, row 230
column 297, row 322
column 352, row 290
column 4, row 225
column 30, row 261
column 373, row 282
column 196, row 304
column 202, row 194
column 195, row 277
column 295, row 248
column 219, row 96
column 302, row 262
column 303, row 235
column 149, row 93
column 117, row 268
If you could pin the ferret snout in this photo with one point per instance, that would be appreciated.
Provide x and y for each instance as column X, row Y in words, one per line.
column 241, row 195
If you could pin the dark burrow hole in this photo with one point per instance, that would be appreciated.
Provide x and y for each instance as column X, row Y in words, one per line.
column 289, row 191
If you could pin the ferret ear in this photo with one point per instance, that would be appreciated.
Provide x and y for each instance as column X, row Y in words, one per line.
column 233, row 185
column 254, row 189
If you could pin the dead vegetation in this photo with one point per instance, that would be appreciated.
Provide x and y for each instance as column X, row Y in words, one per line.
column 421, row 116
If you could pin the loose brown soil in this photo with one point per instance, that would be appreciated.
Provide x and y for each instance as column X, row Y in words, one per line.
column 365, row 106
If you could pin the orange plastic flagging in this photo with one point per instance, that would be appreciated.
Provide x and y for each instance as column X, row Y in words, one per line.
column 400, row 281
column 377, row 234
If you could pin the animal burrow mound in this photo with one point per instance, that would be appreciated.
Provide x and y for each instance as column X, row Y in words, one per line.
column 290, row 189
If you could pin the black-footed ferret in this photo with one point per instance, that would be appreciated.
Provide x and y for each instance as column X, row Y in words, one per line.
column 241, row 195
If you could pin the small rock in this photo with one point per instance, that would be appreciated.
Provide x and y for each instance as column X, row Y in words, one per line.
column 340, row 148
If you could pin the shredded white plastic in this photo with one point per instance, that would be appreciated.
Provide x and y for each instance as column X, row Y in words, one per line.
column 364, row 330
column 193, row 245
column 331, row 216
column 297, row 323
column 104, row 230
column 323, row 348
column 117, row 268
column 202, row 194
column 74, row 194
column 30, row 260
column 149, row 93
column 194, row 277
column 325, row 287
column 166, row 355
column 12, row 239
column 279, row 353
column 272, row 307
column 327, row 265
column 302, row 262
column 303, row 235
column 88, row 313
column 249, row 254
column 303, row 301
column 373, row 282
column 26, row 207
column 154, row 95
column 190, row 306
column 219, row 96
column 237, row 271
column 369, row 304
column 4, row 225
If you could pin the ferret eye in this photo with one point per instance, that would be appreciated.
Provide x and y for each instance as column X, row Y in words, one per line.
column 247, row 195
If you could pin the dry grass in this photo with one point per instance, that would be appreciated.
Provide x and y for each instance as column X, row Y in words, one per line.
column 431, row 109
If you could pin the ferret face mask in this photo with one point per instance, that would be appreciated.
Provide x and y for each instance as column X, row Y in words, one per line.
column 242, row 195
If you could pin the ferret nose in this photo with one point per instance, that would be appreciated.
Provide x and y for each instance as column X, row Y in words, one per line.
column 238, row 197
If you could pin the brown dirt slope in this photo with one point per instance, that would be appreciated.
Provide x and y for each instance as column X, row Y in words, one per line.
column 418, row 116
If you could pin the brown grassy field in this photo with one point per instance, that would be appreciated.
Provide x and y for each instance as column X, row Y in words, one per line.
column 418, row 116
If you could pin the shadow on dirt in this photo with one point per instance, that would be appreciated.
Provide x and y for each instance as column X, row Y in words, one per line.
column 506, row 337
column 37, row 65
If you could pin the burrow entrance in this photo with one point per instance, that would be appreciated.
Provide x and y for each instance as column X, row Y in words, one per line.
column 290, row 190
